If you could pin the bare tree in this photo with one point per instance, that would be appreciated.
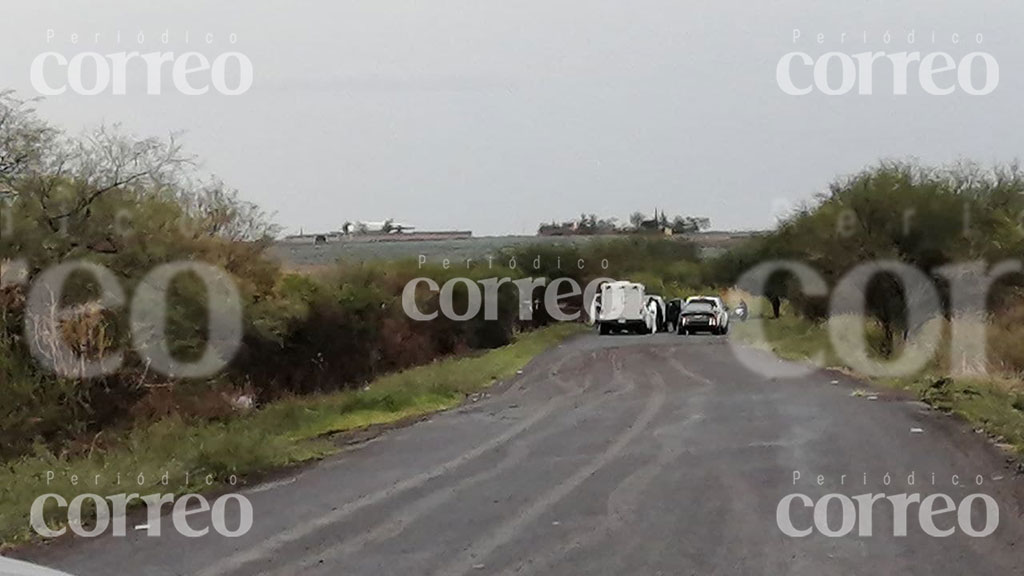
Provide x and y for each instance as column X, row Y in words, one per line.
column 60, row 181
column 108, row 160
column 23, row 140
column 216, row 210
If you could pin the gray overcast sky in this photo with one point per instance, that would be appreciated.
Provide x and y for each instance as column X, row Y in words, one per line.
column 495, row 115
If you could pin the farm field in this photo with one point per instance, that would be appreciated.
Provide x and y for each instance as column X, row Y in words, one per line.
column 298, row 255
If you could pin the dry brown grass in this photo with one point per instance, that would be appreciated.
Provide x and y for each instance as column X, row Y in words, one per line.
column 68, row 338
column 1006, row 340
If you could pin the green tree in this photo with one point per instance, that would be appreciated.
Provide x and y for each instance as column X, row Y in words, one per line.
column 899, row 211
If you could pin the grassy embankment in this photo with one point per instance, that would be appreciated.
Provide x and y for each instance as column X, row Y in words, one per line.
column 287, row 432
column 994, row 403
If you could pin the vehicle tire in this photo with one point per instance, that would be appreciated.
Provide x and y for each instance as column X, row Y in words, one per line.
column 603, row 329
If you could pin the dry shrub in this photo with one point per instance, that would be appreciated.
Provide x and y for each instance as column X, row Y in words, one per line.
column 1006, row 339
column 403, row 345
column 201, row 401
column 68, row 339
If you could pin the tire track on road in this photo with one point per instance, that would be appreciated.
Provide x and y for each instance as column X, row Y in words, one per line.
column 408, row 514
column 270, row 546
column 624, row 497
column 465, row 561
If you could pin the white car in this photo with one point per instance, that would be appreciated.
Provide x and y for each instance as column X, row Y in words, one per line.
column 703, row 314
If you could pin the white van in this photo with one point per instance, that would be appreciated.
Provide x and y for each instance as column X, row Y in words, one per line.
column 622, row 306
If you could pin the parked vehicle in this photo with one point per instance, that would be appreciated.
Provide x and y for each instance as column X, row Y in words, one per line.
column 704, row 314
column 623, row 307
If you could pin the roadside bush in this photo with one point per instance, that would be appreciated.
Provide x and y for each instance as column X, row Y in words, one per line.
column 130, row 205
column 924, row 217
column 1006, row 339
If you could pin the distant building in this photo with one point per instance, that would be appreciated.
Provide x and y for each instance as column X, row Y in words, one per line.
column 388, row 226
column 659, row 223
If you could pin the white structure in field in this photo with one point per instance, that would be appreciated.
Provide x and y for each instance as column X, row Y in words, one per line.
column 388, row 226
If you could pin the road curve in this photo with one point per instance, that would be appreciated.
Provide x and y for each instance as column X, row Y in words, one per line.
column 609, row 456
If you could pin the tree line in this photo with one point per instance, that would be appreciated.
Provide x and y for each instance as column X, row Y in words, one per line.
column 591, row 224
column 926, row 217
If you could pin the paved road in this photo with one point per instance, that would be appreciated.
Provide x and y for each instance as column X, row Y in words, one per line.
column 611, row 456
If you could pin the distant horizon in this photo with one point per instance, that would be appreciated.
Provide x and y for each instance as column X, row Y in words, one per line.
column 306, row 234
